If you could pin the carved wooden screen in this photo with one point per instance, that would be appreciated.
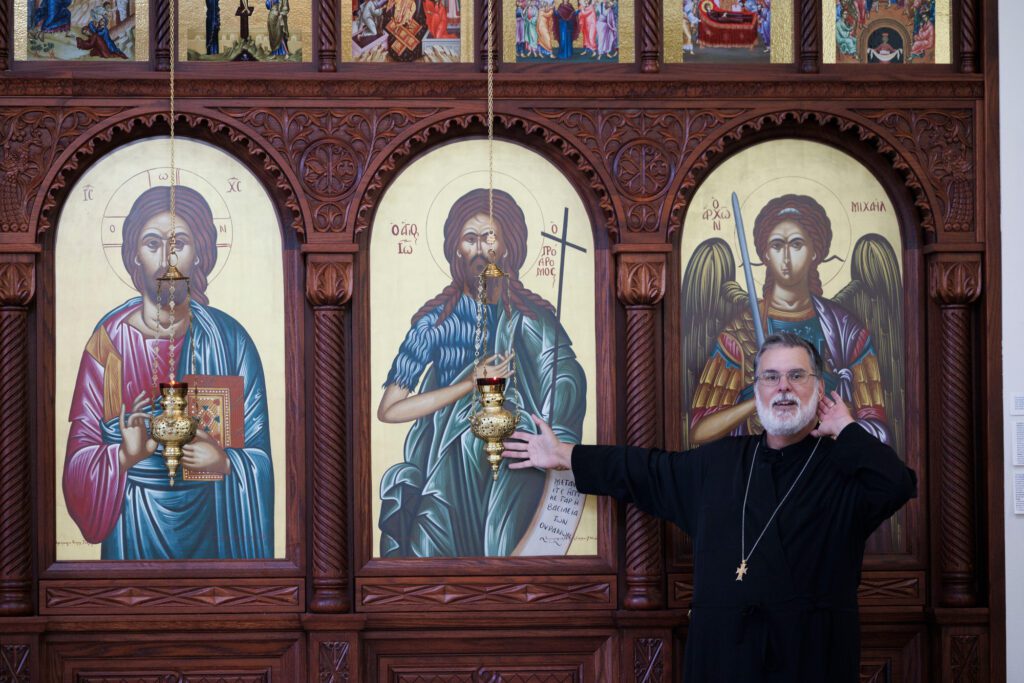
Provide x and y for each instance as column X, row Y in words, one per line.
column 325, row 141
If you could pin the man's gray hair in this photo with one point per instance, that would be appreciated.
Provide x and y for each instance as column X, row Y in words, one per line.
column 788, row 340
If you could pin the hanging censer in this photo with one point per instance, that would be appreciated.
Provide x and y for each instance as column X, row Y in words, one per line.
column 492, row 422
column 174, row 427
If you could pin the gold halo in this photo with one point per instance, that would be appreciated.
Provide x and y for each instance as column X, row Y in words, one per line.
column 449, row 193
column 752, row 202
column 122, row 199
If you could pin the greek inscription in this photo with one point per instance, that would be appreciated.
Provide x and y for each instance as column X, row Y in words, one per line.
column 406, row 236
column 546, row 264
column 874, row 206
column 716, row 213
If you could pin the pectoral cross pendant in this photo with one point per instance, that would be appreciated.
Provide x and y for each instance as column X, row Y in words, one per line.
column 741, row 570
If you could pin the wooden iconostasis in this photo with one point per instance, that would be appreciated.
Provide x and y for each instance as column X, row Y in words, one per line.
column 344, row 526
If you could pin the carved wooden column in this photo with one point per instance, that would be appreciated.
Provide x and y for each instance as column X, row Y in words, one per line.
column 955, row 283
column 968, row 36
column 641, row 287
column 17, row 287
column 810, row 36
column 161, row 35
column 650, row 36
column 328, row 288
column 5, row 8
column 487, row 25
column 328, row 32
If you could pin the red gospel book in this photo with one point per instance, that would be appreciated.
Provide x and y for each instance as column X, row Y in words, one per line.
column 216, row 401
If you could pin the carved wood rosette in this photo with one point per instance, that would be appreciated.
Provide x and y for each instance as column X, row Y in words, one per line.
column 955, row 284
column 641, row 288
column 329, row 151
column 642, row 151
column 17, row 288
column 328, row 289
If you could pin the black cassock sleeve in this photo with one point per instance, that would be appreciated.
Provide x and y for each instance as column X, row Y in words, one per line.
column 884, row 482
column 661, row 483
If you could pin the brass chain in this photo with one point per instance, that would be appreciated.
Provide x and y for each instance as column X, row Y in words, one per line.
column 490, row 110
column 511, row 351
column 172, row 255
column 478, row 340
column 172, row 11
column 155, row 349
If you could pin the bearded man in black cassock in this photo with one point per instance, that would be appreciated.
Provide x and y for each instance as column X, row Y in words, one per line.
column 778, row 521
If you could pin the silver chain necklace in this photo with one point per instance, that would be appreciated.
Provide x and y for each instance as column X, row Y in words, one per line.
column 744, row 555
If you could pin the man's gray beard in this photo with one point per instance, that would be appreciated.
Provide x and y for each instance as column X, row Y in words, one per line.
column 785, row 426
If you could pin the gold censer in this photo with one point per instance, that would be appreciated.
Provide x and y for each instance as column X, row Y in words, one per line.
column 493, row 423
column 174, row 427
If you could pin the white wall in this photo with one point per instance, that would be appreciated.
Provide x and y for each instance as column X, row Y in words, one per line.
column 1011, row 154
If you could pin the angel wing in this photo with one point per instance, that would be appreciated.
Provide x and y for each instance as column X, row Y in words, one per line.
column 710, row 298
column 875, row 295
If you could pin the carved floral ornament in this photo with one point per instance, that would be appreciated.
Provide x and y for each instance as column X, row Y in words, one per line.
column 641, row 279
column 654, row 158
column 328, row 280
column 955, row 281
column 17, row 282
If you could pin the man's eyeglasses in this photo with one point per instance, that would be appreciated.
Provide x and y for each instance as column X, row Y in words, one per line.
column 770, row 378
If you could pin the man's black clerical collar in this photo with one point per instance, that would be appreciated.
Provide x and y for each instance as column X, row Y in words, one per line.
column 793, row 451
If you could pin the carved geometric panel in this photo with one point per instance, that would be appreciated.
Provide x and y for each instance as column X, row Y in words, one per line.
column 681, row 591
column 127, row 677
column 876, row 588
column 875, row 672
column 544, row 655
column 891, row 652
column 648, row 660
column 891, row 588
column 965, row 658
column 455, row 594
column 334, row 666
column 14, row 664
column 213, row 652
column 504, row 674
column 175, row 677
column 241, row 595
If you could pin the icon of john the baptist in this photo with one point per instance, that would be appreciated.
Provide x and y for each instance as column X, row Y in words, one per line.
column 441, row 501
